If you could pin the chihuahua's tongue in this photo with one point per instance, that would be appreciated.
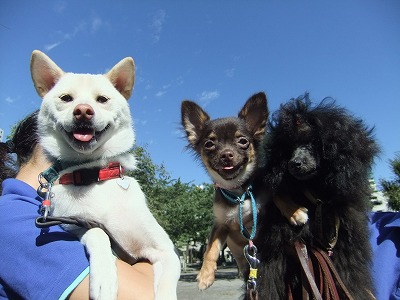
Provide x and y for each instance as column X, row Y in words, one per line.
column 227, row 168
column 84, row 135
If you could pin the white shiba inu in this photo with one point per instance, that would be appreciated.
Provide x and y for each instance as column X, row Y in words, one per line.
column 86, row 131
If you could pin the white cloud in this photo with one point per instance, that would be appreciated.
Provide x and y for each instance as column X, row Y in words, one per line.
column 163, row 90
column 178, row 133
column 180, row 80
column 207, row 96
column 160, row 93
column 60, row 6
column 9, row 100
column 49, row 47
column 150, row 142
column 82, row 26
column 230, row 72
column 96, row 23
column 157, row 24
column 66, row 36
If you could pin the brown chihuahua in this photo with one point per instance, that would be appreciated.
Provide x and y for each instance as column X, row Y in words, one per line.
column 228, row 150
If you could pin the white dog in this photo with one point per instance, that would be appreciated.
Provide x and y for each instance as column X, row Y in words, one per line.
column 86, row 131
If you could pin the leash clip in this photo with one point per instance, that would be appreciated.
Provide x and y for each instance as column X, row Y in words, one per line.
column 251, row 284
column 44, row 190
column 251, row 259
column 253, row 262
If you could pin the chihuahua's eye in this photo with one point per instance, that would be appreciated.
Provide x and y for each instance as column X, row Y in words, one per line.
column 209, row 145
column 102, row 99
column 243, row 142
column 66, row 98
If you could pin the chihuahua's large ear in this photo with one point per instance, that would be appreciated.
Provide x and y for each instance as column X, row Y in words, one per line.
column 45, row 73
column 255, row 113
column 122, row 76
column 193, row 120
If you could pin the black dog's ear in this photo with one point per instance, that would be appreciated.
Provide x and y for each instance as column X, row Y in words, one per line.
column 255, row 113
column 193, row 120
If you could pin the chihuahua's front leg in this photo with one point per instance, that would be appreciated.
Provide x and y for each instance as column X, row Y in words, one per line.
column 206, row 276
column 296, row 215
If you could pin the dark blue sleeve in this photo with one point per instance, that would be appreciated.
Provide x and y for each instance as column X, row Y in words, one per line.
column 385, row 242
column 35, row 263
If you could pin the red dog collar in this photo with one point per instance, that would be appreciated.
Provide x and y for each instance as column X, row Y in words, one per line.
column 92, row 175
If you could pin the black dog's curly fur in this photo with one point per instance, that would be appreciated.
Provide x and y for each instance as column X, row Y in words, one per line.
column 324, row 150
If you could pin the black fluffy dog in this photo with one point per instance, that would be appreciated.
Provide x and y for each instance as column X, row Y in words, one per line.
column 320, row 157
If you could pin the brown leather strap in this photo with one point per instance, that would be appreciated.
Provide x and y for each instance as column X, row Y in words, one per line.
column 319, row 276
column 330, row 274
column 301, row 251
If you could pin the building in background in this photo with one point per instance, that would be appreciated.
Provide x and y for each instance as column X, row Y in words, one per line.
column 1, row 134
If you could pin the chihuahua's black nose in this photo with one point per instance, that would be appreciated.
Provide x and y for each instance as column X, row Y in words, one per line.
column 227, row 156
column 83, row 112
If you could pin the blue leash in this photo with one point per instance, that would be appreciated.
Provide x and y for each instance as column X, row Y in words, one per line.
column 240, row 200
column 251, row 259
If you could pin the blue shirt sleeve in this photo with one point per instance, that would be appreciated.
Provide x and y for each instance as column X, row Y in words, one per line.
column 385, row 242
column 35, row 263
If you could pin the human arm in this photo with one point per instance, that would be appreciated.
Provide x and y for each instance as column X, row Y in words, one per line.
column 134, row 282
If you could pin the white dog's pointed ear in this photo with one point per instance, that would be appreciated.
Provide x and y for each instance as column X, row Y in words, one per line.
column 122, row 76
column 45, row 73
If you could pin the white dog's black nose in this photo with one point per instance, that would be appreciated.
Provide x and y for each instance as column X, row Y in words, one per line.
column 83, row 112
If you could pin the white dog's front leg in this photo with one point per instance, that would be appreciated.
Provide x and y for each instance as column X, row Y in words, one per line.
column 167, row 270
column 103, row 270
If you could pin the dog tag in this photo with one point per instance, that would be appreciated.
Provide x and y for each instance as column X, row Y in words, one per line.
column 124, row 182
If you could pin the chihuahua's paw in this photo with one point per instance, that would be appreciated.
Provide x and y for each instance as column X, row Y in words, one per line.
column 299, row 217
column 206, row 277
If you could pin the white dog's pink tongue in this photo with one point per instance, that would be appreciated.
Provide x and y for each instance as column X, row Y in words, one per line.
column 83, row 137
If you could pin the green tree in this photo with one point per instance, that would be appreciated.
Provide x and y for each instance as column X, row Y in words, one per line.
column 184, row 210
column 391, row 188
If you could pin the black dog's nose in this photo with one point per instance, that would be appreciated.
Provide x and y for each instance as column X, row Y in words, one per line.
column 295, row 164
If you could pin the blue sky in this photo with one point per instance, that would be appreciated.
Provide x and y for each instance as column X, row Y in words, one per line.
column 217, row 53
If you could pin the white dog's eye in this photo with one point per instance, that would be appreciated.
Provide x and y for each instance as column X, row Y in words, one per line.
column 66, row 98
column 102, row 99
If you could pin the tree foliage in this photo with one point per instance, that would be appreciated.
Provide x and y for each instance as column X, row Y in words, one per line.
column 391, row 188
column 184, row 210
